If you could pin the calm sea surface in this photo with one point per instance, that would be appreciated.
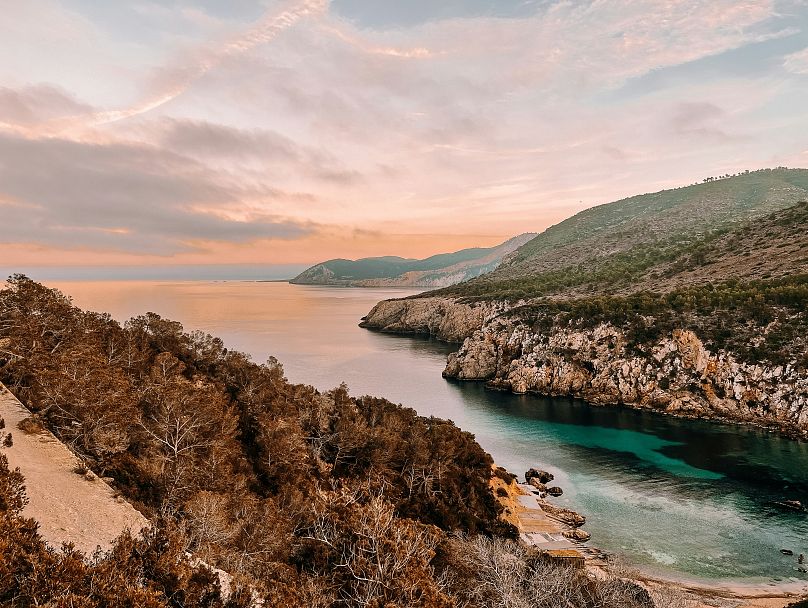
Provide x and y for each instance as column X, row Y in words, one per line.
column 677, row 497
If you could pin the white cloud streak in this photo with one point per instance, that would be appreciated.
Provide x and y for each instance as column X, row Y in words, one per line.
column 271, row 25
column 797, row 63
column 366, row 47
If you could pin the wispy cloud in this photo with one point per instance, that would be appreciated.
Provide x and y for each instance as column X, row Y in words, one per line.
column 268, row 131
column 267, row 29
column 373, row 49
column 797, row 63
column 699, row 119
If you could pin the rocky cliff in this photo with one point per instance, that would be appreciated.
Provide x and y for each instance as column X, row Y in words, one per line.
column 714, row 326
column 676, row 374
column 442, row 318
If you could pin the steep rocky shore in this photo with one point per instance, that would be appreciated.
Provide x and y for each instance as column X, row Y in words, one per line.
column 443, row 318
column 675, row 375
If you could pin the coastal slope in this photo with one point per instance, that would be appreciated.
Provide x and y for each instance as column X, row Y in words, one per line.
column 70, row 503
column 439, row 270
column 693, row 317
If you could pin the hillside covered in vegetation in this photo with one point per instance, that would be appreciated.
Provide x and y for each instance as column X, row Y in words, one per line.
column 305, row 498
column 630, row 244
column 690, row 301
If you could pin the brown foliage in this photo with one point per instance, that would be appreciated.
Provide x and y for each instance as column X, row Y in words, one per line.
column 151, row 572
column 307, row 498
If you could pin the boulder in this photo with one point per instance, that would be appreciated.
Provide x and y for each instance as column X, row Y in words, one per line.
column 555, row 491
column 577, row 535
column 571, row 518
column 542, row 476
column 534, row 481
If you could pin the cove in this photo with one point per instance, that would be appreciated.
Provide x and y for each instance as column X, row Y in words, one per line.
column 676, row 497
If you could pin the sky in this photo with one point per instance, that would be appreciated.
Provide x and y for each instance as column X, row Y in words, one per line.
column 252, row 132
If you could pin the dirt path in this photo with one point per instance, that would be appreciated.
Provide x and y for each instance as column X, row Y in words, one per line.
column 68, row 506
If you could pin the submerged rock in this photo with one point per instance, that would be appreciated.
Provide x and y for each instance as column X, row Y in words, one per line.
column 792, row 505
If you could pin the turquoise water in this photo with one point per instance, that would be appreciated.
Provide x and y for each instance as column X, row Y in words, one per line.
column 676, row 497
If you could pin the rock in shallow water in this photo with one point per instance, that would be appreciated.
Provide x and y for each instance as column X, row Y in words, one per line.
column 542, row 476
column 577, row 535
column 534, row 481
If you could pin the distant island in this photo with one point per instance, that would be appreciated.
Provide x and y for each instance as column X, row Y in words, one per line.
column 440, row 270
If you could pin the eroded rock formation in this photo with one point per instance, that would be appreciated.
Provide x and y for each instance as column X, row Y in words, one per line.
column 443, row 318
column 676, row 375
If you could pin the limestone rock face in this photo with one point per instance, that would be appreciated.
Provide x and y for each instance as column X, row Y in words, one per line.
column 676, row 375
column 443, row 318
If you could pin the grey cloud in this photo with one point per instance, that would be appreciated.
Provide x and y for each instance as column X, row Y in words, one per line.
column 82, row 195
column 38, row 103
column 208, row 140
column 699, row 119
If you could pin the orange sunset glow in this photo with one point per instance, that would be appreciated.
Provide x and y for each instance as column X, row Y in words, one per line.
column 290, row 132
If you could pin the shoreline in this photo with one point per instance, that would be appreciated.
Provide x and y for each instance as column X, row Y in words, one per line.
column 455, row 320
column 540, row 529
column 786, row 432
column 730, row 588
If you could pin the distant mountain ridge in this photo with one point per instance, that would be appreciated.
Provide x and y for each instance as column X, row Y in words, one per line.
column 439, row 270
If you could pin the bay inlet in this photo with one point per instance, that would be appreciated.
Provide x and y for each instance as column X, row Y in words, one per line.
column 675, row 497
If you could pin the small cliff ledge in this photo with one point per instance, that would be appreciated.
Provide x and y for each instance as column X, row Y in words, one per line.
column 444, row 318
column 676, row 374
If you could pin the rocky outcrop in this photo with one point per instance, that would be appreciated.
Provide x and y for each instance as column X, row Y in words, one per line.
column 567, row 516
column 443, row 318
column 540, row 476
column 676, row 375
